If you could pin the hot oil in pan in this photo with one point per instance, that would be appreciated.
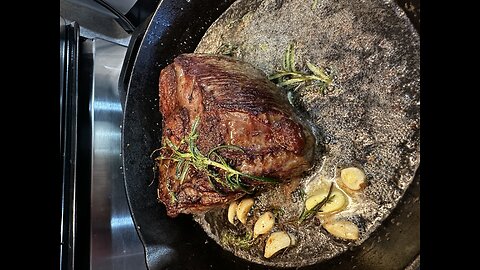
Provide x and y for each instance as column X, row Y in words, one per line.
column 369, row 120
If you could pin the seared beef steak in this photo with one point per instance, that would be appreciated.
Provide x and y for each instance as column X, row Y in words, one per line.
column 235, row 104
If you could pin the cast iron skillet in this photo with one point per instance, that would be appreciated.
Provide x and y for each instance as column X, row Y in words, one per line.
column 176, row 27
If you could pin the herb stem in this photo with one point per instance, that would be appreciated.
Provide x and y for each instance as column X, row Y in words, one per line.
column 193, row 157
column 290, row 76
column 310, row 213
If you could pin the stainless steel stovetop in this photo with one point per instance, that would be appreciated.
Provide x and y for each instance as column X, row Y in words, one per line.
column 97, row 228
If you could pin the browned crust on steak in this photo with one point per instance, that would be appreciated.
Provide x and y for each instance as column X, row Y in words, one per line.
column 237, row 105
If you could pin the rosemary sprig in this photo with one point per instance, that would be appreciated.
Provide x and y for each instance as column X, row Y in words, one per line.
column 307, row 214
column 217, row 169
column 290, row 77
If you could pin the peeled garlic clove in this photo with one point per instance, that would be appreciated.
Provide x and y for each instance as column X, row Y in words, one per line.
column 232, row 211
column 264, row 224
column 276, row 242
column 242, row 209
column 314, row 200
column 342, row 229
column 338, row 201
column 353, row 178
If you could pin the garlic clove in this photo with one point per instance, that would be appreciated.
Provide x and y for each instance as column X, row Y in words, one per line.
column 338, row 201
column 343, row 229
column 232, row 212
column 353, row 178
column 264, row 224
column 276, row 242
column 243, row 208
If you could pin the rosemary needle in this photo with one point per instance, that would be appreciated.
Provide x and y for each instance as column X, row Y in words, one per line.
column 310, row 213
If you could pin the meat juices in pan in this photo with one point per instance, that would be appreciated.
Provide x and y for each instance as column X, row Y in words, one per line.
column 235, row 104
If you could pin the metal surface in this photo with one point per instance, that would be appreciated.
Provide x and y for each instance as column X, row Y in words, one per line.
column 122, row 6
column 68, row 135
column 93, row 24
column 121, row 19
column 62, row 68
column 114, row 243
column 97, row 229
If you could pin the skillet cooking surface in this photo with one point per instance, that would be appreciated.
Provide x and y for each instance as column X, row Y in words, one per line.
column 174, row 243
column 370, row 119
